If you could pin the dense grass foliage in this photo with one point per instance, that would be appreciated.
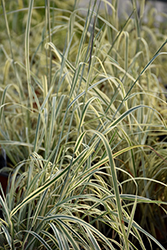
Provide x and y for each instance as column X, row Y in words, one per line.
column 83, row 124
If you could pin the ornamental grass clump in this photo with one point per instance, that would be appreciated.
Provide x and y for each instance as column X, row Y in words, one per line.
column 83, row 125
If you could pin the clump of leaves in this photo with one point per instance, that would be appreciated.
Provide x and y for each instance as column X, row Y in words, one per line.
column 81, row 110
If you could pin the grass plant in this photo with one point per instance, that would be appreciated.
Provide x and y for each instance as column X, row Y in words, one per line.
column 82, row 115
